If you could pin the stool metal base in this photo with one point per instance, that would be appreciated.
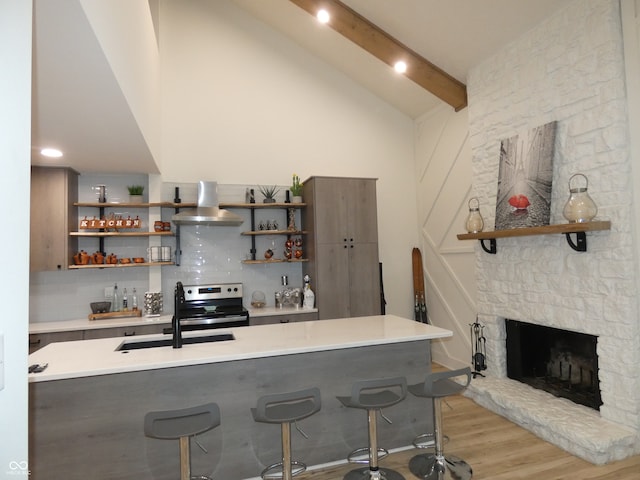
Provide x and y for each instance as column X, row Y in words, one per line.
column 362, row 455
column 277, row 470
column 368, row 474
column 432, row 467
column 427, row 440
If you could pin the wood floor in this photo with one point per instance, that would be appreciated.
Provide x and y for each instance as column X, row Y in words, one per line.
column 498, row 449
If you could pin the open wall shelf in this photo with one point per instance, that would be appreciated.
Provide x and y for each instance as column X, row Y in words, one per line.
column 568, row 229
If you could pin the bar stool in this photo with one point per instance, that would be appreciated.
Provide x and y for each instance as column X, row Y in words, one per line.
column 285, row 409
column 182, row 425
column 437, row 466
column 373, row 396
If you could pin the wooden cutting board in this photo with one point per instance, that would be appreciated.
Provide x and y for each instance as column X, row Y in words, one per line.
column 108, row 315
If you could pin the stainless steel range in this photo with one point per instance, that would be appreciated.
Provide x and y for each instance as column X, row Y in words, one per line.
column 199, row 307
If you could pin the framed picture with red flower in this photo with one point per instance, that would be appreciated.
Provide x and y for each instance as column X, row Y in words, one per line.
column 525, row 178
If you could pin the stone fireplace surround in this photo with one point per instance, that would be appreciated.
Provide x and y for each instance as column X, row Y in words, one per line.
column 580, row 430
column 570, row 68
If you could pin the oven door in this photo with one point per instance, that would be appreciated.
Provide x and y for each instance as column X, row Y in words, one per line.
column 206, row 323
column 240, row 320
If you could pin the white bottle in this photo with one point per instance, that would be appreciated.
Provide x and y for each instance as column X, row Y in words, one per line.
column 309, row 296
column 116, row 299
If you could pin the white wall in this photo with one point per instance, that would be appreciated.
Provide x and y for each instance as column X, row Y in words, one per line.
column 15, row 158
column 242, row 104
column 125, row 31
column 443, row 173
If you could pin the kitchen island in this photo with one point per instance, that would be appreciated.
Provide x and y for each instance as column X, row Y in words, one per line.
column 87, row 407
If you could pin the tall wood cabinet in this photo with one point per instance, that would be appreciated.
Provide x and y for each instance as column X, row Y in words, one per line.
column 53, row 216
column 341, row 219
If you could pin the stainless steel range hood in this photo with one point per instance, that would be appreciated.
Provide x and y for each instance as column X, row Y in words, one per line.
column 207, row 212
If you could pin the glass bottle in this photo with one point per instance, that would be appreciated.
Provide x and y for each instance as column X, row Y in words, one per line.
column 580, row 207
column 134, row 300
column 125, row 300
column 474, row 223
column 116, row 299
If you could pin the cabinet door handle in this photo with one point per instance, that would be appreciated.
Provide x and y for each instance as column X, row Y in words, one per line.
column 284, row 320
column 37, row 342
column 130, row 334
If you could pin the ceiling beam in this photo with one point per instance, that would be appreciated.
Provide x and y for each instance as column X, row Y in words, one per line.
column 383, row 46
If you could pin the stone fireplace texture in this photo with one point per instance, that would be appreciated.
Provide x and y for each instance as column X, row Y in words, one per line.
column 569, row 69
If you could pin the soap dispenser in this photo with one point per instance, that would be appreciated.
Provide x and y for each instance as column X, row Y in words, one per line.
column 309, row 296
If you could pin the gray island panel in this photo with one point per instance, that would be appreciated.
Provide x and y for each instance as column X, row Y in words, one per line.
column 87, row 408
column 94, row 426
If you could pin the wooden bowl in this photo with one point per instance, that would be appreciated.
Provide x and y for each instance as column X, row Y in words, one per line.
column 125, row 260
column 138, row 260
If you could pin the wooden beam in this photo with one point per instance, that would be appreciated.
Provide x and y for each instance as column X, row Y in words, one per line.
column 383, row 46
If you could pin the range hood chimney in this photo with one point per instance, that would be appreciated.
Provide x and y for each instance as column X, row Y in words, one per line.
column 207, row 211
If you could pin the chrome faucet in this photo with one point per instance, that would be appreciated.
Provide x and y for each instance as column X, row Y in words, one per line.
column 179, row 300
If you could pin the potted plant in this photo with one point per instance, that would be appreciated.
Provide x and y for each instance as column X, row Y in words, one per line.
column 269, row 193
column 135, row 193
column 296, row 189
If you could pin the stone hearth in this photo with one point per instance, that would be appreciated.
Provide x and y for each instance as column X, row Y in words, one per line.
column 577, row 429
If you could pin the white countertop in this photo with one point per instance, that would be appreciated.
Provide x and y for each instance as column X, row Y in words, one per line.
column 87, row 358
column 86, row 324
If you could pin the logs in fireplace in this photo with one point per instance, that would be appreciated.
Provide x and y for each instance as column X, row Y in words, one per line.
column 560, row 362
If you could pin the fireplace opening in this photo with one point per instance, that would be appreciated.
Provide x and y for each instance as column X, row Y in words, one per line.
column 560, row 362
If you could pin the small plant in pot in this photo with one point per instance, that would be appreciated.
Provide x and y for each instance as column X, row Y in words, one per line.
column 269, row 193
column 296, row 189
column 135, row 193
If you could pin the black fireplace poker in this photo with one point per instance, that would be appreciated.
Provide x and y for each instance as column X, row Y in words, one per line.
column 478, row 353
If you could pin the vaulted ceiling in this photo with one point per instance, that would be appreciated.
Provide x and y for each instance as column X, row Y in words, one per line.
column 76, row 98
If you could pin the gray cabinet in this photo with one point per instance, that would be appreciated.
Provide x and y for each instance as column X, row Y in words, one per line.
column 341, row 218
column 39, row 340
column 124, row 331
column 53, row 216
column 285, row 318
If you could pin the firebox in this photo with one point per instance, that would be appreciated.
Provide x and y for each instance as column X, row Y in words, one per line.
column 560, row 362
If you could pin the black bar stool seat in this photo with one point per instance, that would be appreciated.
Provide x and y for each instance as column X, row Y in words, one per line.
column 373, row 396
column 285, row 409
column 181, row 425
column 437, row 466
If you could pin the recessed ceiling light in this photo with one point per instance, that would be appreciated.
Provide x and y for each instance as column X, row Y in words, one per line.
column 323, row 16
column 400, row 67
column 51, row 152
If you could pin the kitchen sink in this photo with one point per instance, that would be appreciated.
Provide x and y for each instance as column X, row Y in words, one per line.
column 166, row 342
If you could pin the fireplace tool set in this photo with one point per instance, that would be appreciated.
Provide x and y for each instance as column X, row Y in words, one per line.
column 478, row 354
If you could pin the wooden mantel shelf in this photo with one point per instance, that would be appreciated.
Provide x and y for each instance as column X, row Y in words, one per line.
column 579, row 229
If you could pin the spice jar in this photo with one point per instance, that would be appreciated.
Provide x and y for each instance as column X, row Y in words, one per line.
column 580, row 207
column 474, row 223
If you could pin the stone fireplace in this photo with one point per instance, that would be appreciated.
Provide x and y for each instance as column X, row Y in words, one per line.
column 569, row 69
